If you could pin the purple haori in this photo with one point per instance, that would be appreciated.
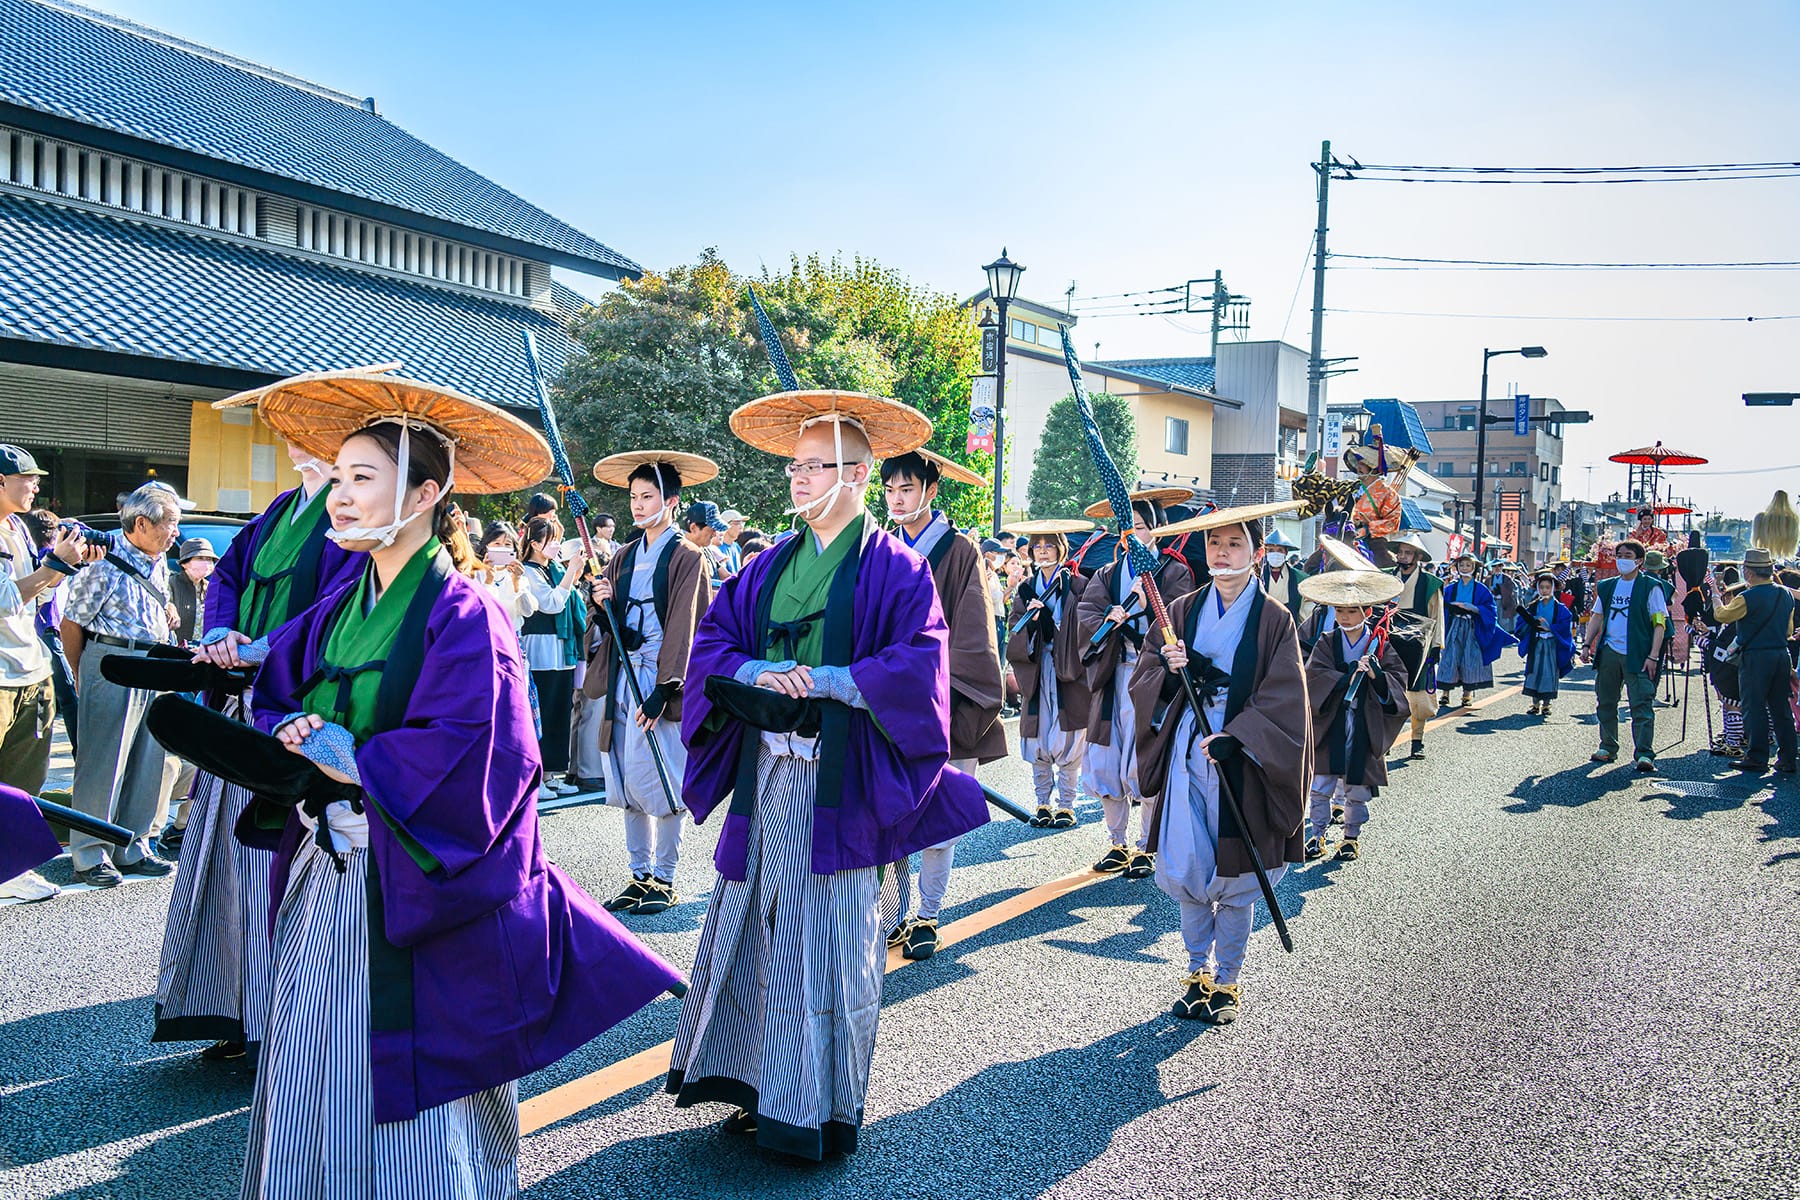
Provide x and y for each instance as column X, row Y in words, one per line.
column 512, row 965
column 25, row 838
column 899, row 794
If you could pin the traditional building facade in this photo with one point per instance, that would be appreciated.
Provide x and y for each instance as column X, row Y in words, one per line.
column 177, row 224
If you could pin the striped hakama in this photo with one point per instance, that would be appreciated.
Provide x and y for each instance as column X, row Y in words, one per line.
column 780, row 1015
column 312, row 1130
column 1463, row 662
column 213, row 979
column 1541, row 679
column 1055, row 754
column 1111, row 771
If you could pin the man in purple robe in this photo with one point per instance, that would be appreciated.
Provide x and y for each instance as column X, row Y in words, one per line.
column 845, row 624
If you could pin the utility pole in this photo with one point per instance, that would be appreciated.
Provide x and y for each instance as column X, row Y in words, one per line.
column 1315, row 373
column 1219, row 297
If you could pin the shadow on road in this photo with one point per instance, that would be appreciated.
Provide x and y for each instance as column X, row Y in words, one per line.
column 91, row 1061
column 1571, row 787
column 1013, row 1130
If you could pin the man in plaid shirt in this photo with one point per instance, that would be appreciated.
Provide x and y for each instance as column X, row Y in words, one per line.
column 121, row 605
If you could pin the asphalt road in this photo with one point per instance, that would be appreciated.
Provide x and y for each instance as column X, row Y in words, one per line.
column 1543, row 978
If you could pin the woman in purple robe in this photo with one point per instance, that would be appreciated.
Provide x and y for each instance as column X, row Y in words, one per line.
column 426, row 956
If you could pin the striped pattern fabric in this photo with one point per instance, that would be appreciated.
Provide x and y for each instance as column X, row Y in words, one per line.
column 781, row 1012
column 213, row 981
column 312, row 1130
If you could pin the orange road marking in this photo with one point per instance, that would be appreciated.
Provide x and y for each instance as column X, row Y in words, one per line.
column 1498, row 696
column 578, row 1095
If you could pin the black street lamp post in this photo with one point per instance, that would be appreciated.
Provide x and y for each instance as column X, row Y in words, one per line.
column 1481, row 433
column 1003, row 284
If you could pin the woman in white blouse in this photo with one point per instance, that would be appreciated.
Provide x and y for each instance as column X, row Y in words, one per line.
column 551, row 638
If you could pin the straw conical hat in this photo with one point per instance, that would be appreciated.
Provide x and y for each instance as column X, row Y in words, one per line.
column 954, row 471
column 495, row 451
column 1047, row 525
column 1362, row 587
column 1344, row 556
column 1243, row 514
column 1410, row 538
column 616, row 469
column 773, row 423
column 1162, row 497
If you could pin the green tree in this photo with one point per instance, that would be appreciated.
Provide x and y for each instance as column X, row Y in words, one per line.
column 1063, row 479
column 665, row 358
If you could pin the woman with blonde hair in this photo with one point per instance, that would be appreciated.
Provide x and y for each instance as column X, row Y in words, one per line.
column 1777, row 527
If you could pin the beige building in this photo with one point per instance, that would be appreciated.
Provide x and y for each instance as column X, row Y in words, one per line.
column 1174, row 412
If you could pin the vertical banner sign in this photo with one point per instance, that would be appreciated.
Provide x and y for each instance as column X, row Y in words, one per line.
column 981, row 414
column 1334, row 435
column 1455, row 545
column 1521, row 415
column 990, row 348
column 1512, row 510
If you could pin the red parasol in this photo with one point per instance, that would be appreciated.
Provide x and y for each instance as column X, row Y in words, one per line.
column 1664, row 510
column 1658, row 455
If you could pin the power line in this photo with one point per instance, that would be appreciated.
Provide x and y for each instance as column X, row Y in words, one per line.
column 1354, row 171
column 1354, row 165
column 1614, row 179
column 1388, row 312
column 1179, row 287
column 1550, row 265
column 1305, row 262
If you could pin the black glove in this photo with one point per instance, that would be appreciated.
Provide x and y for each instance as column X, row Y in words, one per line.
column 658, row 698
column 1222, row 747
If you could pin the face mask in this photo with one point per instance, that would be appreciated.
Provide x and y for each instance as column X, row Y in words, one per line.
column 1466, row 572
column 655, row 518
column 1228, row 572
column 1628, row 566
column 1354, row 632
column 384, row 535
column 822, row 504
column 907, row 518
column 1277, row 559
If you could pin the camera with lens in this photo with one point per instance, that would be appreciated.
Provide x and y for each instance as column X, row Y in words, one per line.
column 89, row 535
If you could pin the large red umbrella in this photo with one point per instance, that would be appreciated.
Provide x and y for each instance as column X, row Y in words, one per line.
column 1658, row 456
column 1663, row 510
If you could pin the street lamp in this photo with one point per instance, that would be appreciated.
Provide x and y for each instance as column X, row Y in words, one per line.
column 1481, row 432
column 1003, row 284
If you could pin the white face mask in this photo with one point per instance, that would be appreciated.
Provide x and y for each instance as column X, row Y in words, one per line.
column 1628, row 566
column 1276, row 559
column 1466, row 572
column 655, row 518
column 1354, row 632
column 384, row 535
column 821, row 504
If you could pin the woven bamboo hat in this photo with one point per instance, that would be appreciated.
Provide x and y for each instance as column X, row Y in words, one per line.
column 954, row 471
column 1243, row 514
column 1046, row 526
column 1162, row 497
column 1410, row 538
column 773, row 423
column 1361, row 588
column 319, row 411
column 1343, row 556
column 616, row 469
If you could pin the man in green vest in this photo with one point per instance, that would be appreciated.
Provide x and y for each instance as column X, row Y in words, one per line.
column 1624, row 639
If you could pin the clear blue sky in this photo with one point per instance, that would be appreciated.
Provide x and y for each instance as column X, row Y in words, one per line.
column 1133, row 145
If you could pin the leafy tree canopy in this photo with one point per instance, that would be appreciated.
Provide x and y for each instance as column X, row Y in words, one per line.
column 665, row 358
column 1063, row 480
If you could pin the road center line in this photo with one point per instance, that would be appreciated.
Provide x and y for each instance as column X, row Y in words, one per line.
column 578, row 1095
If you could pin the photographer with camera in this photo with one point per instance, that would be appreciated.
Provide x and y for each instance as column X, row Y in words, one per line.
column 121, row 603
column 27, row 696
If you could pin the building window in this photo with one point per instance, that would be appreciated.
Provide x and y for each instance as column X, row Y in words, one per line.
column 1544, row 471
column 1520, row 468
column 1047, row 336
column 1023, row 331
column 1449, row 420
column 1555, row 475
column 1444, row 470
column 1175, row 435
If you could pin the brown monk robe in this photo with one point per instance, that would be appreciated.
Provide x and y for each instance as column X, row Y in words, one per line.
column 681, row 588
column 1102, row 592
column 1350, row 755
column 977, row 687
column 1053, row 749
column 1265, row 710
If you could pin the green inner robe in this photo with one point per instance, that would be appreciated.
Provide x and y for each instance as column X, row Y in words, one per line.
column 264, row 602
column 358, row 648
column 802, row 590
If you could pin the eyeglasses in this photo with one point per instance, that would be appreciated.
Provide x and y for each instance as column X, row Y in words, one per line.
column 808, row 468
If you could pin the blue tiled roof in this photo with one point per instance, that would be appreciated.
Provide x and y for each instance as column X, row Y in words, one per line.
column 80, row 279
column 1182, row 372
column 1400, row 424
column 1412, row 516
column 86, row 70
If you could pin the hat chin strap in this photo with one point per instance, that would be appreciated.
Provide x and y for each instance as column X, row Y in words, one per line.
column 384, row 535
column 824, row 502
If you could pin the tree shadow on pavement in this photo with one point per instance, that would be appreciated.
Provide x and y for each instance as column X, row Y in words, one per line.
column 202, row 1162
column 1782, row 807
column 67, row 1068
column 1011, row 1131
